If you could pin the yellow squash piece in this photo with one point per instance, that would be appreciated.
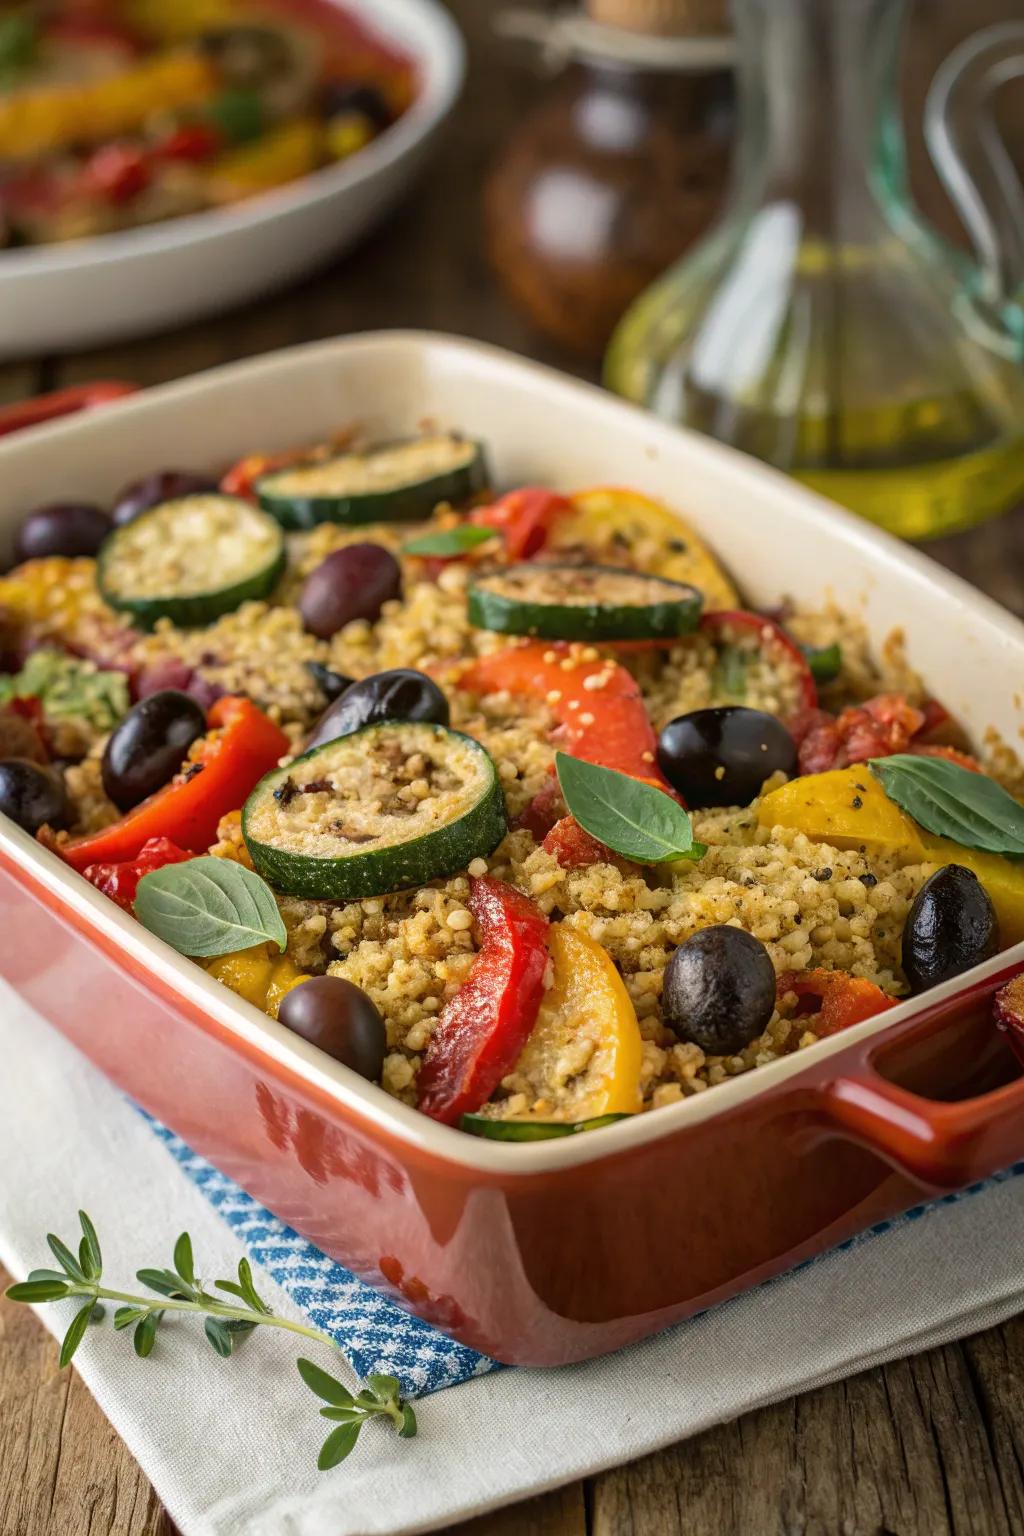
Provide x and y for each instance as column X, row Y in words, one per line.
column 583, row 1056
column 258, row 976
column 282, row 155
column 848, row 808
column 621, row 527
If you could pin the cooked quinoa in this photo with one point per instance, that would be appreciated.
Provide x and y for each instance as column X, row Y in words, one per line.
column 815, row 907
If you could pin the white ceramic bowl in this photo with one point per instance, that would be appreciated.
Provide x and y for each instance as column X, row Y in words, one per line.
column 88, row 292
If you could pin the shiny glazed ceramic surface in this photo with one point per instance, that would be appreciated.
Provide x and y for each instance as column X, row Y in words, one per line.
column 547, row 1252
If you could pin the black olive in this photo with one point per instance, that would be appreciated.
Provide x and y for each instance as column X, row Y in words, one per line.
column 33, row 796
column 352, row 583
column 343, row 96
column 165, row 485
column 723, row 756
column 401, row 694
column 951, row 926
column 150, row 745
column 331, row 684
column 338, row 1017
column 719, row 990
column 69, row 528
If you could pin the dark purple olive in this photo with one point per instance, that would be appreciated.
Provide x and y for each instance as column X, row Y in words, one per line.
column 331, row 684
column 719, row 990
column 165, row 485
column 343, row 96
column 401, row 694
column 149, row 746
column 337, row 1017
column 69, row 528
column 723, row 756
column 352, row 583
column 33, row 796
column 951, row 926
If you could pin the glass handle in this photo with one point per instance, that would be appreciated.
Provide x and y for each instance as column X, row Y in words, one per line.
column 970, row 154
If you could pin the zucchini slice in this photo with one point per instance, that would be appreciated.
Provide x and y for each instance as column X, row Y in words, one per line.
column 531, row 1130
column 396, row 482
column 583, row 602
column 393, row 805
column 191, row 560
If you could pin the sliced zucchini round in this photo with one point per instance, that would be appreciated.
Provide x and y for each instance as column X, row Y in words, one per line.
column 583, row 602
column 390, row 806
column 396, row 482
column 531, row 1130
column 191, row 560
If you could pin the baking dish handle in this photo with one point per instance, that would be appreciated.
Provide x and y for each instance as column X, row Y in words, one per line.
column 62, row 402
column 943, row 1145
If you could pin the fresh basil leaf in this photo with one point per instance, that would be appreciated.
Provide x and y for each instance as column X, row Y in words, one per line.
column 825, row 661
column 209, row 906
column 450, row 541
column 953, row 802
column 631, row 817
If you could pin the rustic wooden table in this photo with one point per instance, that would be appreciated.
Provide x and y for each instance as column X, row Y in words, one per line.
column 932, row 1446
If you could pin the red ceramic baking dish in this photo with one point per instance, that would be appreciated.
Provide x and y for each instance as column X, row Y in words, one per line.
column 553, row 1251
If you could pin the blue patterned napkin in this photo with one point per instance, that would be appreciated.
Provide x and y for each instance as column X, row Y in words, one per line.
column 374, row 1333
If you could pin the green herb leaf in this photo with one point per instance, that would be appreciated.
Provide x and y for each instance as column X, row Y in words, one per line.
column 91, row 1245
column 183, row 1260
column 65, row 1258
column 384, row 1388
column 19, row 43
column 208, row 907
column 408, row 1428
column 219, row 1335
column 249, row 1290
column 145, row 1334
column 635, row 819
column 238, row 113
column 729, row 674
column 339, row 1443
column 953, row 802
column 825, row 661
column 47, row 1274
column 323, row 1385
column 450, row 541
column 164, row 1282
column 75, row 1334
column 124, row 1317
column 32, row 1291
column 344, row 1415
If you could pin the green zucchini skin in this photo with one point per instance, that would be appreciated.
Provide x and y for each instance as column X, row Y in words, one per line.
column 532, row 1130
column 186, row 610
column 501, row 601
column 433, row 855
column 406, row 501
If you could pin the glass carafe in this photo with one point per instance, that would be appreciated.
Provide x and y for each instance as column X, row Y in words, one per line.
column 821, row 325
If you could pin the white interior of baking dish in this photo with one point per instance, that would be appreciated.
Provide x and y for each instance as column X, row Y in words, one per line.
column 779, row 540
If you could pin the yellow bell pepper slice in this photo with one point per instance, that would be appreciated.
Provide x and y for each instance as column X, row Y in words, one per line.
column 255, row 975
column 848, row 808
column 41, row 121
column 584, row 1053
column 279, row 156
column 621, row 527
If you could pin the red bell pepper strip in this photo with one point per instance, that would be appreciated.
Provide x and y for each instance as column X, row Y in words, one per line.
column 844, row 1000
column 573, row 846
column 606, row 723
column 524, row 518
column 240, row 479
column 61, row 402
column 482, row 1031
column 771, row 638
column 1008, row 1008
column 242, row 746
column 121, row 881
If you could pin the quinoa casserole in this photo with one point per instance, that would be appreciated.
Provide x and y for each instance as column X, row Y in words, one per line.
column 506, row 801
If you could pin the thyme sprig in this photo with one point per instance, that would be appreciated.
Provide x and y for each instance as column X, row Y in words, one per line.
column 226, row 1322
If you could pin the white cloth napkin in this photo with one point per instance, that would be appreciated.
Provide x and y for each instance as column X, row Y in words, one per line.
column 231, row 1445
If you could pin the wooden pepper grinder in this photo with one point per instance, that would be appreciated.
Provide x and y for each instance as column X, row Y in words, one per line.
column 619, row 169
